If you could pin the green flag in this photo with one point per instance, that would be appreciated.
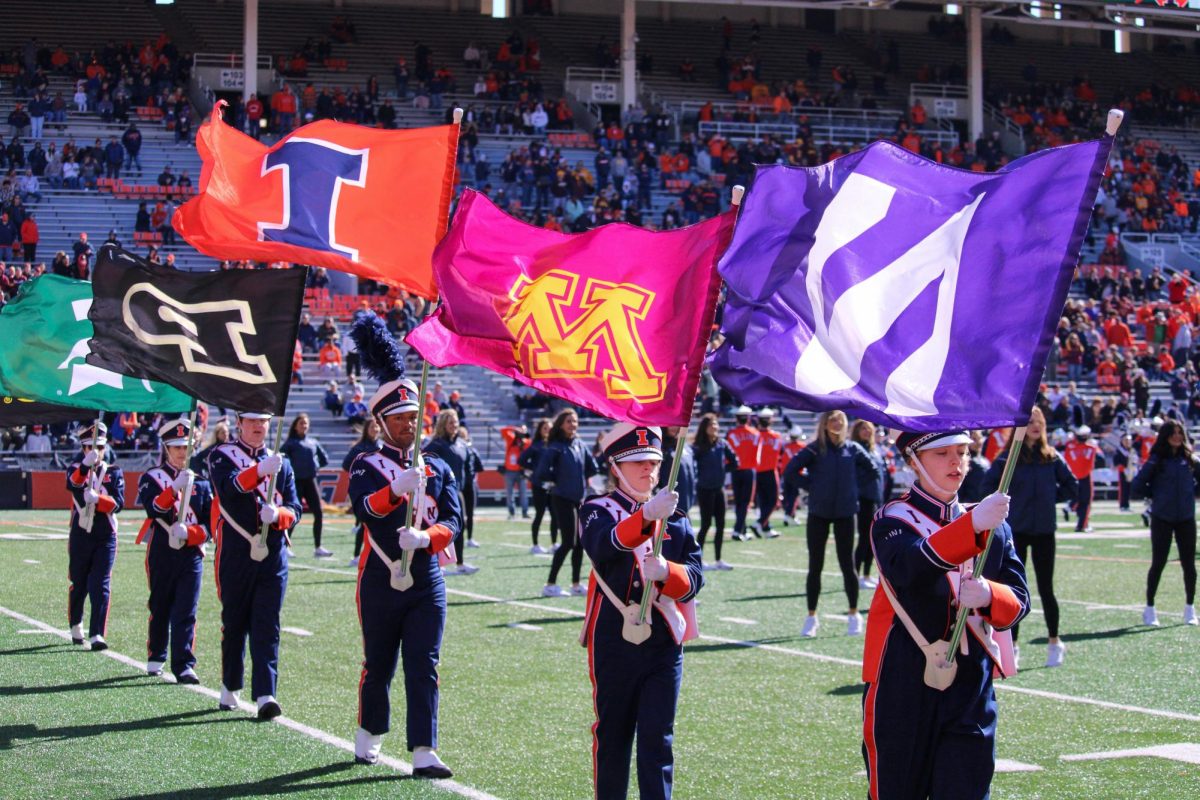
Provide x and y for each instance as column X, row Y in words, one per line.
column 44, row 334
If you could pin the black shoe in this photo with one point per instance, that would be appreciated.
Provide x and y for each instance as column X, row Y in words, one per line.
column 433, row 773
column 99, row 645
column 366, row 761
column 770, row 534
column 225, row 707
column 269, row 711
column 188, row 679
column 76, row 641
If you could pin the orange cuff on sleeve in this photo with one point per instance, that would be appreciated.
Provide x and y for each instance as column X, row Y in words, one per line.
column 678, row 583
column 1006, row 608
column 630, row 531
column 956, row 542
column 380, row 502
column 248, row 478
column 440, row 538
column 165, row 499
column 105, row 504
column 287, row 518
column 196, row 535
column 77, row 477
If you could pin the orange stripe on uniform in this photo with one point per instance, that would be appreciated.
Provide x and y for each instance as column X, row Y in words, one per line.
column 247, row 479
column 630, row 531
column 440, row 538
column 869, row 742
column 1006, row 608
column 956, row 542
column 287, row 518
column 678, row 582
column 165, row 499
column 380, row 502
column 105, row 504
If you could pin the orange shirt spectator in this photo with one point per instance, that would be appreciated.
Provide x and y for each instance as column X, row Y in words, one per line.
column 1166, row 361
column 329, row 355
column 1117, row 333
column 917, row 114
column 911, row 142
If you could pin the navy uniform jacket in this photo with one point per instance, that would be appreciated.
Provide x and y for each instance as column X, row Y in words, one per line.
column 870, row 476
column 567, row 465
column 1170, row 484
column 713, row 463
column 453, row 453
column 686, row 482
column 370, row 496
column 157, row 496
column 528, row 460
column 112, row 496
column 306, row 455
column 612, row 529
column 238, row 492
column 1035, row 490
column 832, row 484
column 917, row 541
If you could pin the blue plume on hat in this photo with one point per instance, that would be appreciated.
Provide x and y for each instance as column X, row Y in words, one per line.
column 377, row 348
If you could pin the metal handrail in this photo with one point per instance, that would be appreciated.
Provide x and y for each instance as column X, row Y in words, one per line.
column 831, row 115
column 228, row 60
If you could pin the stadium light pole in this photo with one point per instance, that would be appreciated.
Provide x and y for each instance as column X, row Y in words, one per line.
column 975, row 71
column 628, row 55
column 250, row 49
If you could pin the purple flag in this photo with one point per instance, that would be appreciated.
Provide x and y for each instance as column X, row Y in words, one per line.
column 910, row 293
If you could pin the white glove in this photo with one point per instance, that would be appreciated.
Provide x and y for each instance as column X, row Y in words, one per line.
column 974, row 593
column 91, row 457
column 407, row 482
column 990, row 512
column 413, row 539
column 547, row 485
column 90, row 496
column 182, row 478
column 269, row 513
column 270, row 466
column 654, row 568
column 661, row 506
column 179, row 531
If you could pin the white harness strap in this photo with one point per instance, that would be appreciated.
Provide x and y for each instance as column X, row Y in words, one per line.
column 242, row 462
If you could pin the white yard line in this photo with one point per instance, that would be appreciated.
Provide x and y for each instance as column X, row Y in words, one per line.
column 299, row 727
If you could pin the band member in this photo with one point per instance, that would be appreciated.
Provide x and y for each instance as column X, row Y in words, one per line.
column 252, row 569
column 637, row 669
column 929, row 728
column 1081, row 455
column 768, row 446
column 401, row 606
column 97, row 495
column 743, row 441
column 791, row 491
column 174, row 552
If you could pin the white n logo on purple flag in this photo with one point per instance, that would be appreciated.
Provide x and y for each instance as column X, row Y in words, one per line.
column 832, row 360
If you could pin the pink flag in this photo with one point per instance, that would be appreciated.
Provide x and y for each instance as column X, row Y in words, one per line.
column 615, row 320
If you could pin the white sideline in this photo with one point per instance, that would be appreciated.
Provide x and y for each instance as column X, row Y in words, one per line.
column 771, row 648
column 299, row 727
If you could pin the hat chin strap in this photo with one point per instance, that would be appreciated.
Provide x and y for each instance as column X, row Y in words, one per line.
column 925, row 476
column 641, row 497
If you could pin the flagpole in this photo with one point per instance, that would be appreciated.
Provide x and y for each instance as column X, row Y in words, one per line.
column 88, row 517
column 681, row 441
column 274, row 477
column 185, row 496
column 1010, row 466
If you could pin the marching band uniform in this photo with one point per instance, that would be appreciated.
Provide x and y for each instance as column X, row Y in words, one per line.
column 1081, row 457
column 251, row 574
column 743, row 441
column 636, row 686
column 402, row 624
column 791, row 491
column 766, row 485
column 920, row 741
column 91, row 553
column 174, row 557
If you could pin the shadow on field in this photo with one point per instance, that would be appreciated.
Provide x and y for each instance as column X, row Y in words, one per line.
column 305, row 780
column 12, row 733
column 119, row 682
column 37, row 649
column 546, row 621
column 850, row 689
column 743, row 644
column 752, row 598
column 1112, row 633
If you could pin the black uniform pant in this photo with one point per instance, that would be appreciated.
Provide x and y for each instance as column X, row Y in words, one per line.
column 791, row 494
column 251, row 594
column 541, row 502
column 1161, row 532
column 174, row 577
column 459, row 549
column 1083, row 502
column 400, row 628
column 565, row 513
column 90, row 558
column 863, row 557
column 743, row 491
column 311, row 495
column 1042, row 548
column 766, row 491
column 843, row 540
column 1123, row 490
column 468, row 508
column 712, row 513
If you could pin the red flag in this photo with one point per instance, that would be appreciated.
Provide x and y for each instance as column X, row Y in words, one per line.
column 615, row 319
column 361, row 200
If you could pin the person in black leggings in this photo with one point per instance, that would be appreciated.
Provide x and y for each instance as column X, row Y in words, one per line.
column 563, row 470
column 1040, row 481
column 369, row 443
column 1169, row 479
column 714, row 460
column 307, row 457
column 541, row 498
column 870, row 497
column 470, row 491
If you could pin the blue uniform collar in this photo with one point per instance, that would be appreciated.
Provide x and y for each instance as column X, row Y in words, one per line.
column 253, row 452
column 931, row 507
column 394, row 453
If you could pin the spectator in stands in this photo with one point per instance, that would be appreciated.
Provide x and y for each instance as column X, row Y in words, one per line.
column 9, row 234
column 131, row 140
column 29, row 237
column 254, row 115
column 114, row 157
column 333, row 399
column 18, row 120
column 454, row 403
column 54, row 168
column 330, row 358
column 306, row 334
column 82, row 248
column 143, row 221
column 356, row 410
column 283, row 106
column 38, row 440
column 328, row 331
column 30, row 187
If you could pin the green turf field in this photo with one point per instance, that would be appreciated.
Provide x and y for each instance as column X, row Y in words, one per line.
column 763, row 714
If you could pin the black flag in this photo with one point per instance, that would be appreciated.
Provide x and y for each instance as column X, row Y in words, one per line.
column 226, row 337
column 16, row 411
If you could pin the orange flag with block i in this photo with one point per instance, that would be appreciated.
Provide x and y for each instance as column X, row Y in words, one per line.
column 366, row 201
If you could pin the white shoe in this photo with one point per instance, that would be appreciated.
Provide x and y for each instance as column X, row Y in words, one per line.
column 291, row 553
column 229, row 700
column 366, row 747
column 1055, row 654
column 77, row 633
column 352, row 562
column 472, row 543
column 708, row 566
column 426, row 764
column 537, row 550
column 511, row 516
column 723, row 565
column 811, row 623
column 1189, row 616
column 578, row 590
column 1150, row 616
column 854, row 625
column 787, row 520
column 466, row 569
column 321, row 552
column 155, row 668
column 554, row 547
column 554, row 590
column 867, row 582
